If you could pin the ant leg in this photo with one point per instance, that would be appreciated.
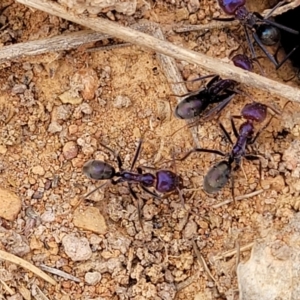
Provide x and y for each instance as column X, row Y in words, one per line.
column 242, row 168
column 256, row 157
column 117, row 156
column 236, row 134
column 150, row 192
column 263, row 48
column 200, row 150
column 250, row 43
column 285, row 28
column 217, row 109
column 94, row 190
column 287, row 57
column 232, row 189
column 139, row 209
column 253, row 140
column 226, row 133
column 274, row 8
column 136, row 155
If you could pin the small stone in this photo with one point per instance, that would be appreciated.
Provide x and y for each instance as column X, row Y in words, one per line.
column 70, row 150
column 182, row 14
column 38, row 170
column 277, row 183
column 86, row 80
column 19, row 89
column 54, row 127
column 122, row 101
column 73, row 129
column 92, row 278
column 69, row 97
column 3, row 149
column 190, row 230
column 193, row 6
column 10, row 205
column 90, row 219
column 78, row 249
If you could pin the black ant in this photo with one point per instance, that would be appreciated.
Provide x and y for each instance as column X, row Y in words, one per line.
column 220, row 173
column 264, row 31
column 217, row 90
column 164, row 181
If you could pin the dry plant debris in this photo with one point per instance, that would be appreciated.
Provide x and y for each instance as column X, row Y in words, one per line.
column 56, row 109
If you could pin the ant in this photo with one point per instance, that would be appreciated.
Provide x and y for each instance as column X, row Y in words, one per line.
column 220, row 173
column 217, row 90
column 264, row 31
column 164, row 181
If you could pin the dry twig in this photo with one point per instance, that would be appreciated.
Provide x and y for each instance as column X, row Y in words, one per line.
column 26, row 265
column 202, row 262
column 242, row 197
column 282, row 9
column 210, row 64
column 205, row 27
column 57, row 43
column 59, row 273
column 233, row 252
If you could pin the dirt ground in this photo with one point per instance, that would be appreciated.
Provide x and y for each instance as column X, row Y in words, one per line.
column 56, row 110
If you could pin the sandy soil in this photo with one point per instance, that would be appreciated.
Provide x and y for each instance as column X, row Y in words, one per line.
column 58, row 108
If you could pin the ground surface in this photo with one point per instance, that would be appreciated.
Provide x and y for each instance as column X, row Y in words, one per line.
column 57, row 108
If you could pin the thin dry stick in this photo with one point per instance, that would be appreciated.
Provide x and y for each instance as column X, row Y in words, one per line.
column 57, row 43
column 205, row 27
column 59, row 273
column 212, row 65
column 171, row 71
column 202, row 262
column 282, row 9
column 242, row 197
column 233, row 252
column 26, row 265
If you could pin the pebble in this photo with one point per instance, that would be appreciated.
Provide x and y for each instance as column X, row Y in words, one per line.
column 182, row 14
column 89, row 79
column 190, row 230
column 92, row 278
column 38, row 170
column 70, row 150
column 90, row 219
column 193, row 6
column 122, row 101
column 54, row 127
column 68, row 97
column 19, row 89
column 73, row 129
column 78, row 249
column 10, row 205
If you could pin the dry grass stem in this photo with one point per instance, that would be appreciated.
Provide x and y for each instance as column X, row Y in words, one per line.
column 205, row 27
column 59, row 273
column 26, row 265
column 202, row 262
column 282, row 9
column 242, row 197
column 230, row 253
column 57, row 43
column 212, row 65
